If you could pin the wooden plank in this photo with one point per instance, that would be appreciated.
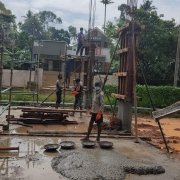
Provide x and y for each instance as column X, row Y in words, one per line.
column 48, row 110
column 9, row 148
column 166, row 111
column 120, row 51
column 120, row 74
column 122, row 28
column 118, row 96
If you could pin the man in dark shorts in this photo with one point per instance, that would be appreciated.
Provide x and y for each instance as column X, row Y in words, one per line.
column 58, row 91
column 78, row 92
column 96, row 111
column 81, row 40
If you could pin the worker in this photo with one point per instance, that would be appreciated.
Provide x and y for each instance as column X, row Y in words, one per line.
column 78, row 92
column 81, row 40
column 58, row 91
column 96, row 112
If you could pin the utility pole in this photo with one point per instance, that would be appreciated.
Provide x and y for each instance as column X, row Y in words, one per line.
column 32, row 52
column 176, row 71
column 2, row 56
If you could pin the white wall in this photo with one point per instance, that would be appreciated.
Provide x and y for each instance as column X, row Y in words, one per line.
column 21, row 77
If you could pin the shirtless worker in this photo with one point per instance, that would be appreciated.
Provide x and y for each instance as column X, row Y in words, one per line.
column 58, row 91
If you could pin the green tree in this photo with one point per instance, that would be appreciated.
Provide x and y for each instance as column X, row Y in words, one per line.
column 157, row 42
column 122, row 8
column 147, row 6
column 6, row 16
column 105, row 2
column 73, row 34
column 60, row 35
column 48, row 18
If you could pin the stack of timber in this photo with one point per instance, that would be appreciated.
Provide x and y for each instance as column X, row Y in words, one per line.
column 34, row 115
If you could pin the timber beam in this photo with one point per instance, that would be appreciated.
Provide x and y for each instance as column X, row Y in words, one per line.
column 120, row 74
column 122, row 51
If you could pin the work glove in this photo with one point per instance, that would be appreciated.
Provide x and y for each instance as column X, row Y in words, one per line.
column 98, row 116
column 90, row 111
column 74, row 92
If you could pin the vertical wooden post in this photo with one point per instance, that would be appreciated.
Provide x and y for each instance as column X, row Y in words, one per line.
column 176, row 71
column 1, row 62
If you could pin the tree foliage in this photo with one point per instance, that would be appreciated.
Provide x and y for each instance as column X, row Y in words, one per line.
column 105, row 2
column 158, row 42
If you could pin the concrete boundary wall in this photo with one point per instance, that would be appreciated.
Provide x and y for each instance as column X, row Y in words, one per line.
column 21, row 77
column 50, row 77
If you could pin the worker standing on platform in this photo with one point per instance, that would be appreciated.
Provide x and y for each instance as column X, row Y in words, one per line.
column 96, row 111
column 58, row 91
column 81, row 40
column 78, row 92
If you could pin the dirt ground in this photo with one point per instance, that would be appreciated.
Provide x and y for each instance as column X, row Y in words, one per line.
column 147, row 127
column 32, row 162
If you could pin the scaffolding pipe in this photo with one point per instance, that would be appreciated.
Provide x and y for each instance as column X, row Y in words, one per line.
column 10, row 92
column 6, row 107
column 5, row 91
column 21, row 93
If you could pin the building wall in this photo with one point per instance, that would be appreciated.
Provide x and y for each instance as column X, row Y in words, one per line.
column 51, row 48
column 21, row 77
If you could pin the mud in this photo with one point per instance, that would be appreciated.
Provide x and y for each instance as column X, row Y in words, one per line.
column 79, row 165
column 147, row 127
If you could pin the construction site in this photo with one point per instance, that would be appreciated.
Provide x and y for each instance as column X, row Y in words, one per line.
column 39, row 141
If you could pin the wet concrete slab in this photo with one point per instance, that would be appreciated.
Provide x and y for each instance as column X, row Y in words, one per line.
column 32, row 162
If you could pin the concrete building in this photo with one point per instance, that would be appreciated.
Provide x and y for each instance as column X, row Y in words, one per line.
column 48, row 52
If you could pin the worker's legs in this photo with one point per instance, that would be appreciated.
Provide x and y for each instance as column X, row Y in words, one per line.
column 90, row 127
column 58, row 100
column 67, row 79
column 81, row 51
column 75, row 106
column 79, row 48
column 80, row 105
column 99, row 131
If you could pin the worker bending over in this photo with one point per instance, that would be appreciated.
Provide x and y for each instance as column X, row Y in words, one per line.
column 96, row 111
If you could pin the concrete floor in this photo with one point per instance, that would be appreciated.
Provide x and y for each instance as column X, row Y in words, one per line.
column 33, row 163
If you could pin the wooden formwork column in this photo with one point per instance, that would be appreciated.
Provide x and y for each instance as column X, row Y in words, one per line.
column 125, row 75
column 89, row 74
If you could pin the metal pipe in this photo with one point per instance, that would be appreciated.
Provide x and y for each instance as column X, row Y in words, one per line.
column 22, row 93
column 4, row 91
column 10, row 95
column 164, row 139
column 32, row 53
column 4, row 109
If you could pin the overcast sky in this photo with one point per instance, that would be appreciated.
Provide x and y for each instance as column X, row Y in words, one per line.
column 76, row 12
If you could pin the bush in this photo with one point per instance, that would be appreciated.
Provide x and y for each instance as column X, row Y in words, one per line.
column 162, row 96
